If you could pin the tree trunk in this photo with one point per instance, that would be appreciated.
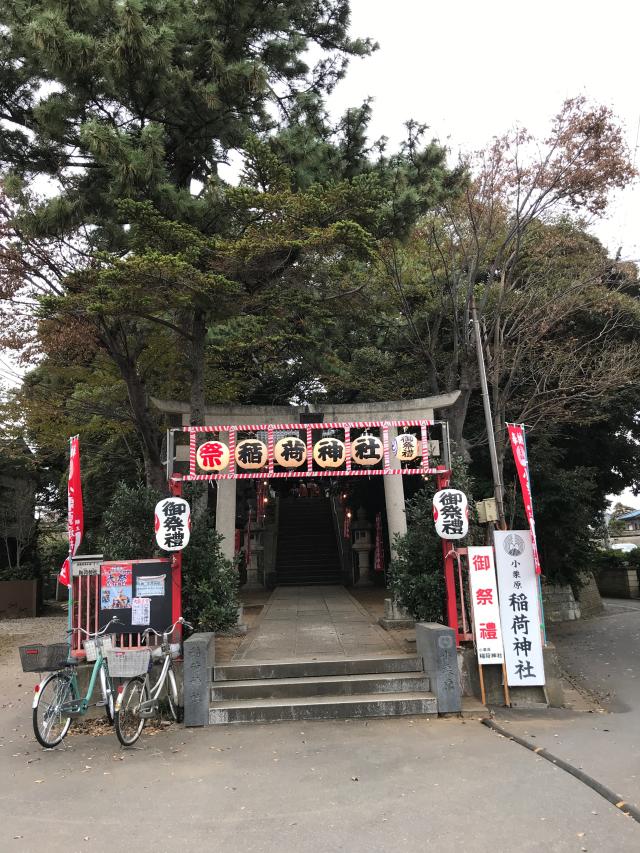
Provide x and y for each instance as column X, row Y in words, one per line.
column 199, row 491
column 146, row 425
column 458, row 413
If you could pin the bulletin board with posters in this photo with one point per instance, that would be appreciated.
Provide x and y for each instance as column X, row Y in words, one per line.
column 138, row 592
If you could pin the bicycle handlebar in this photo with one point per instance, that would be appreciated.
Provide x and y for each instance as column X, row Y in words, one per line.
column 113, row 620
column 169, row 630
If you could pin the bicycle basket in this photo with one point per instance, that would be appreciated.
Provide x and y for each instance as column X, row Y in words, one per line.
column 127, row 664
column 39, row 658
column 91, row 647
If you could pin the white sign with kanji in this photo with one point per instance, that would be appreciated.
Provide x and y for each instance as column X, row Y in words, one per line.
column 484, row 602
column 172, row 524
column 451, row 514
column 519, row 607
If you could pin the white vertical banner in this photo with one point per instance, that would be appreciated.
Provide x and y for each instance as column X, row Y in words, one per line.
column 484, row 602
column 518, row 588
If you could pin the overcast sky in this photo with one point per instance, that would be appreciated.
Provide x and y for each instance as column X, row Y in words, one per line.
column 471, row 70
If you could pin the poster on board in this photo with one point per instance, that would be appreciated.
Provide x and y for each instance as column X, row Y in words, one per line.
column 116, row 586
column 141, row 611
column 484, row 603
column 519, row 608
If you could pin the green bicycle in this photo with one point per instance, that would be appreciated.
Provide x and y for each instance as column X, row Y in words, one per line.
column 57, row 700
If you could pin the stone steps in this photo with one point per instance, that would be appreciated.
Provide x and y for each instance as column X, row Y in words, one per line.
column 320, row 690
column 311, row 668
column 324, row 708
column 337, row 685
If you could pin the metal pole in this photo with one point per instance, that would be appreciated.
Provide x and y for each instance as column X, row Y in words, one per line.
column 497, row 485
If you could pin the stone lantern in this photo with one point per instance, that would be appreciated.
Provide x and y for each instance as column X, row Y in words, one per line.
column 362, row 544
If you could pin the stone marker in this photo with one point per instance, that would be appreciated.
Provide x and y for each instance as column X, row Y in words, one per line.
column 199, row 658
column 436, row 645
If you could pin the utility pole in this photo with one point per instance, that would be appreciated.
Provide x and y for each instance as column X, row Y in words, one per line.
column 497, row 485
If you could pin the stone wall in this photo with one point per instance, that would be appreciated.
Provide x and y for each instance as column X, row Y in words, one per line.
column 589, row 597
column 619, row 583
column 559, row 603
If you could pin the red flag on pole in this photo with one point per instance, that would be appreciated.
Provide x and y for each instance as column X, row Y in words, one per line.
column 75, row 514
column 519, row 448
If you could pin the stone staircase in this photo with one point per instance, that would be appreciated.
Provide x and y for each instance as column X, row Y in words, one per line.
column 307, row 551
column 320, row 690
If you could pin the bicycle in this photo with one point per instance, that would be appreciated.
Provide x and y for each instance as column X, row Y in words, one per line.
column 57, row 700
column 138, row 699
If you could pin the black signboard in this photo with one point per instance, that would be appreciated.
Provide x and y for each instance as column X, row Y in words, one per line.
column 138, row 592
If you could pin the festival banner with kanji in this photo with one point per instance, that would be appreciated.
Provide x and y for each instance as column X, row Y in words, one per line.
column 519, row 612
column 172, row 519
column 484, row 602
column 75, row 513
column 519, row 448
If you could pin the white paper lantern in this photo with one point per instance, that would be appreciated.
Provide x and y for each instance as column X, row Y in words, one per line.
column 290, row 452
column 405, row 447
column 367, row 450
column 172, row 524
column 329, row 453
column 212, row 456
column 451, row 514
column 251, row 454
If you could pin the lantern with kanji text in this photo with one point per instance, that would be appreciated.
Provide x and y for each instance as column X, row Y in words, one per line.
column 405, row 447
column 329, row 453
column 212, row 456
column 251, row 453
column 290, row 452
column 367, row 450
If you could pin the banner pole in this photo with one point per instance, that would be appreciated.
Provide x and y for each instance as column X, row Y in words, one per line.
column 543, row 627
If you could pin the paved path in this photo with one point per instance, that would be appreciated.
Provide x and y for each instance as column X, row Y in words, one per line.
column 603, row 653
column 309, row 622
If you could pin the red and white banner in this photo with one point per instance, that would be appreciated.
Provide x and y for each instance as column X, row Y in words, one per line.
column 75, row 513
column 518, row 446
column 485, row 606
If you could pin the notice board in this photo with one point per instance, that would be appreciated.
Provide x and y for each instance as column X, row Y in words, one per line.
column 138, row 592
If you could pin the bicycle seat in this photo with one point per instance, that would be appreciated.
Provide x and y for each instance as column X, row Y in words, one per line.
column 74, row 662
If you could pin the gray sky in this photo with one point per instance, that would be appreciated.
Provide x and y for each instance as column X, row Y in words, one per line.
column 471, row 70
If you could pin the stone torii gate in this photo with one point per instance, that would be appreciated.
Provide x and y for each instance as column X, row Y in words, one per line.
column 177, row 414
column 415, row 411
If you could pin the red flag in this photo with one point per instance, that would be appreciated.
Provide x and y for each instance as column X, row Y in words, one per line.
column 519, row 448
column 75, row 514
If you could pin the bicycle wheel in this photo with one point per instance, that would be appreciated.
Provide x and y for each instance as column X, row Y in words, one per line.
column 50, row 724
column 106, row 685
column 175, row 709
column 128, row 723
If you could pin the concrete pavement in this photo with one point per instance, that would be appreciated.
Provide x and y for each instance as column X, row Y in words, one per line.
column 603, row 655
column 360, row 786
column 302, row 622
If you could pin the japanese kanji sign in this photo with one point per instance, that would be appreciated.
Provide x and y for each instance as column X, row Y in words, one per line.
column 75, row 513
column 518, row 589
column 451, row 513
column 173, row 524
column 484, row 601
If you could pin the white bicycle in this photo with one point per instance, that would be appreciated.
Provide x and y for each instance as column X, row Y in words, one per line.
column 139, row 698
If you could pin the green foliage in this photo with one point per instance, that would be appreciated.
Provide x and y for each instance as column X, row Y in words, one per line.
column 610, row 560
column 129, row 523
column 416, row 576
column 209, row 582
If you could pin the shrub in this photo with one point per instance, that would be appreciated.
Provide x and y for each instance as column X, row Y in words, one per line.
column 128, row 524
column 209, row 582
column 416, row 576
